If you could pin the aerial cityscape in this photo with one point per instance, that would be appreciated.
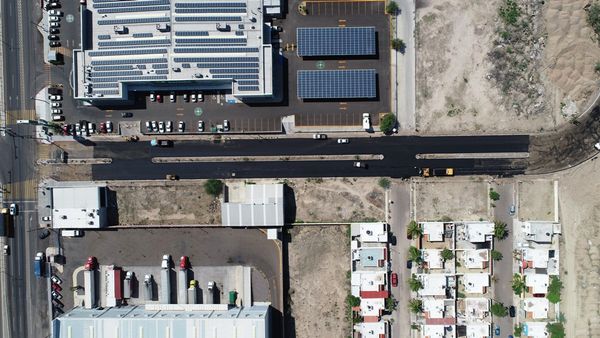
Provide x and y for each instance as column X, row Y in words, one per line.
column 299, row 169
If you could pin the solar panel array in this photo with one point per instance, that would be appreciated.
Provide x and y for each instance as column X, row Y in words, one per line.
column 337, row 84
column 336, row 41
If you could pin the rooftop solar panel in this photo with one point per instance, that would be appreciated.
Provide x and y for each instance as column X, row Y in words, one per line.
column 337, row 84
column 336, row 41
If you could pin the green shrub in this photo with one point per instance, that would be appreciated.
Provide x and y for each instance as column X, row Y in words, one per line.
column 213, row 187
column 388, row 122
column 510, row 12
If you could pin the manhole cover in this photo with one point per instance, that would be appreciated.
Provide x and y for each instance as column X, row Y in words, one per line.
column 198, row 111
column 320, row 64
column 70, row 18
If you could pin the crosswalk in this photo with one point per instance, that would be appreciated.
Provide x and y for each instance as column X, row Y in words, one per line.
column 25, row 114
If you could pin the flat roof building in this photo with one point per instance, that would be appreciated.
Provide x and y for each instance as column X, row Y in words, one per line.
column 198, row 320
column 373, row 232
column 478, row 331
column 255, row 205
column 476, row 259
column 433, row 285
column 476, row 308
column 479, row 232
column 433, row 258
column 433, row 308
column 79, row 207
column 433, row 231
column 476, row 282
column 378, row 329
column 173, row 45
column 535, row 308
column 535, row 330
column 537, row 283
column 540, row 231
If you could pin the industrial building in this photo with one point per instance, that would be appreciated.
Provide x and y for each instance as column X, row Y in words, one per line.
column 253, row 205
column 173, row 45
column 78, row 207
column 154, row 321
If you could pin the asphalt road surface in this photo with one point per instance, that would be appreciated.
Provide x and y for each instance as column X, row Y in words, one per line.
column 133, row 160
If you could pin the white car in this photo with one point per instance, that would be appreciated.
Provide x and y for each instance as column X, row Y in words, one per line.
column 47, row 218
column 166, row 262
column 56, row 295
column 169, row 127
column 154, row 126
column 55, row 97
column 148, row 126
column 172, row 97
column 91, row 127
column 200, row 97
column 161, row 127
column 343, row 140
column 366, row 122
column 54, row 24
column 13, row 209
column 200, row 125
column 597, row 146
column 56, row 279
column 55, row 12
column 181, row 126
column 319, row 137
column 56, row 111
column 56, row 105
column 53, row 18
column 152, row 97
column 194, row 99
column 109, row 127
column 225, row 125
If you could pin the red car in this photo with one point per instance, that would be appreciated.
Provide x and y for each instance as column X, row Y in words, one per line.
column 158, row 98
column 56, row 287
column 184, row 263
column 91, row 263
column 103, row 127
column 394, row 279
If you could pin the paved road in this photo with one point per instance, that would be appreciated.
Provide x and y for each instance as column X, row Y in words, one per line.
column 133, row 160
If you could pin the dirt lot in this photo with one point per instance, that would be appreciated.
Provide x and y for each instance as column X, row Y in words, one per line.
column 460, row 199
column 477, row 74
column 319, row 258
column 580, row 249
column 160, row 202
column 536, row 200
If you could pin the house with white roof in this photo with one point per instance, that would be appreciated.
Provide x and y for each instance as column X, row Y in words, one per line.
column 433, row 231
column 433, row 258
column 535, row 330
column 475, row 282
column 433, row 284
column 371, row 307
column 438, row 331
column 540, row 231
column 373, row 232
column 479, row 232
column 476, row 259
column 478, row 331
column 476, row 309
column 537, row 283
column 369, row 284
column 373, row 330
column 433, row 308
column 535, row 308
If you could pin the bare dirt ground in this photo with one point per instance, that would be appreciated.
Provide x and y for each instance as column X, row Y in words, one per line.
column 319, row 258
column 579, row 191
column 459, row 199
column 478, row 74
column 338, row 199
column 160, row 202
column 536, row 200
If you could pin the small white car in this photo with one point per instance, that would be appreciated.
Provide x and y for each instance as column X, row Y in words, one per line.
column 56, row 105
column 193, row 96
column 56, row 295
column 200, row 125
column 55, row 97
column 109, row 127
column 148, row 126
column 6, row 250
column 56, row 279
column 186, row 97
column 597, row 146
column 91, row 127
column 152, row 97
column 55, row 12
column 47, row 218
column 13, row 209
column 343, row 141
column 53, row 18
column 54, row 24
column 161, row 127
column 319, row 137
column 225, row 125
column 154, row 126
column 366, row 121
column 172, row 97
column 58, row 118
column 181, row 126
column 169, row 127
column 200, row 97
column 56, row 111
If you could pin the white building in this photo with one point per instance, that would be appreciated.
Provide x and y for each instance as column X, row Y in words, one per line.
column 373, row 330
column 536, row 308
column 535, row 330
column 476, row 309
column 373, row 232
column 433, row 231
column 479, row 232
column 478, row 331
column 476, row 259
column 540, row 231
column 79, row 207
column 433, row 285
column 438, row 331
column 257, row 205
column 537, row 283
column 476, row 282
column 433, row 258
column 433, row 308
column 372, row 307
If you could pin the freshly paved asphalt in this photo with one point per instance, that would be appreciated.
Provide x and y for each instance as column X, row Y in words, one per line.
column 133, row 160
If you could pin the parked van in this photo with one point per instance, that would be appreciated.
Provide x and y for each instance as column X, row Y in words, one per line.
column 58, row 118
column 71, row 233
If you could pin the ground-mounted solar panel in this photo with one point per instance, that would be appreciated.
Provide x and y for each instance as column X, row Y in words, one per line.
column 337, row 84
column 336, row 41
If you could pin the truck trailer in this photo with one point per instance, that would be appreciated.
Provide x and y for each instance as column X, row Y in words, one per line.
column 165, row 286
column 114, row 286
column 182, row 283
column 89, row 282
column 192, row 293
column 38, row 264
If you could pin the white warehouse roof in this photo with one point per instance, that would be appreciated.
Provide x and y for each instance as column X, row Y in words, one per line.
column 79, row 207
column 263, row 206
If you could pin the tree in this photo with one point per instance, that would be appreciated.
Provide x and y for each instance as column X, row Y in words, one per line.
column 415, row 305
column 597, row 67
column 390, row 304
column 414, row 254
column 554, row 290
column 498, row 310
column 352, row 301
column 500, row 230
column 593, row 17
column 415, row 283
column 391, row 8
column 518, row 330
column 384, row 183
column 387, row 124
column 556, row 330
column 494, row 195
column 213, row 187
column 414, row 230
column 399, row 45
column 496, row 255
column 447, row 254
column 518, row 284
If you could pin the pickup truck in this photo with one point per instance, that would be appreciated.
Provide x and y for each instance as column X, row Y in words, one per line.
column 38, row 264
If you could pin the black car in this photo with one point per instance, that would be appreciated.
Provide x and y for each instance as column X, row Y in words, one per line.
column 127, row 114
column 54, row 43
column 511, row 311
column 54, row 31
column 409, row 264
column 53, row 37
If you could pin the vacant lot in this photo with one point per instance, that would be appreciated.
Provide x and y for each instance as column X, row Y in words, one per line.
column 458, row 199
column 536, row 200
column 319, row 258
column 161, row 202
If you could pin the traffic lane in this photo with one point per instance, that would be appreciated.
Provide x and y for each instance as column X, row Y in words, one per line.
column 306, row 146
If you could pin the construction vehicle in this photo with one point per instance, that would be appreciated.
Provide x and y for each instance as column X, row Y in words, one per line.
column 427, row 172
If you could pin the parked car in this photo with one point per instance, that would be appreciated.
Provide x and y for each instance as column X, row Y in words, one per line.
column 102, row 127
column 319, row 136
column 148, row 126
column 54, row 24
column 109, row 127
column 55, row 12
column 58, row 118
column 184, row 262
column 56, row 279
column 186, row 97
column 54, row 43
column 56, row 111
column 172, row 97
column 91, row 127
column 158, row 98
column 126, row 114
column 166, row 262
column 394, row 279
column 200, row 125
column 181, row 126
column 154, row 126
column 497, row 330
column 91, row 263
column 54, row 31
column 193, row 96
column 161, row 127
column 169, row 126
column 6, row 250
column 56, row 104
column 53, row 37
column 597, row 146
column 152, row 97
column 47, row 218
column 512, row 209
column 56, row 295
column 200, row 97
column 13, row 209
column 343, row 140
column 55, row 97
column 225, row 125
column 56, row 287
column 511, row 311
column 409, row 264
column 53, row 19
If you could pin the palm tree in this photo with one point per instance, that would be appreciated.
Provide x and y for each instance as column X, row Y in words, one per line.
column 447, row 254
column 414, row 254
column 500, row 230
column 414, row 283
column 518, row 284
column 414, row 230
column 415, row 305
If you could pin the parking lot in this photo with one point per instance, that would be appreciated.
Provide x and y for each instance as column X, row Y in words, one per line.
column 247, row 117
column 212, row 247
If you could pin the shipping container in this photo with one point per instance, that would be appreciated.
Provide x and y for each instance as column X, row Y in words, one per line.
column 89, row 282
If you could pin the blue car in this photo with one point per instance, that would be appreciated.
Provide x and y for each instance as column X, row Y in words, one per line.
column 497, row 330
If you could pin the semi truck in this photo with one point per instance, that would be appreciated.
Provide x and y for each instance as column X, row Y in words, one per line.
column 192, row 293
column 38, row 264
column 427, row 172
column 89, row 284
column 182, row 283
column 127, row 285
column 114, row 287
column 165, row 286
